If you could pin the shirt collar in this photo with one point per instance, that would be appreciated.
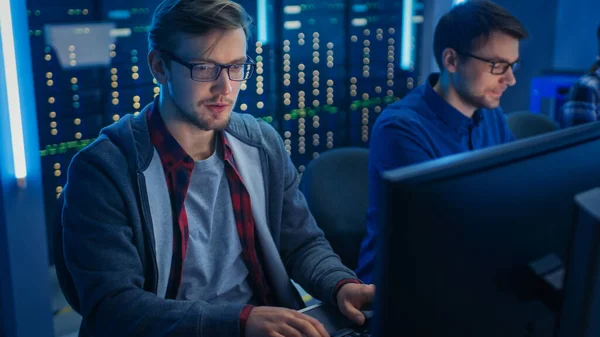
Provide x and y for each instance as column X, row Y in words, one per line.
column 227, row 153
column 446, row 112
column 170, row 152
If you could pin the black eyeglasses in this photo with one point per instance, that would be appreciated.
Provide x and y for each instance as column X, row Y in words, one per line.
column 499, row 67
column 208, row 72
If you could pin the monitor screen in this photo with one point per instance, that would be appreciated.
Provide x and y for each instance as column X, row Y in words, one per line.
column 458, row 234
column 580, row 313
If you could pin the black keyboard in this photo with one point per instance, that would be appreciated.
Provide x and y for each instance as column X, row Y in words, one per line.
column 358, row 333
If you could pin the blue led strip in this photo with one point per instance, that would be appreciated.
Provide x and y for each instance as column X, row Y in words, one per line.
column 261, row 18
column 407, row 55
column 12, row 87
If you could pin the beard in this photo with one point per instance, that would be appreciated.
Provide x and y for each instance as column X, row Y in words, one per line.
column 477, row 102
column 199, row 119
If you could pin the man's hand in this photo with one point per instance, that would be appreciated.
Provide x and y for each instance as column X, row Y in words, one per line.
column 352, row 297
column 281, row 322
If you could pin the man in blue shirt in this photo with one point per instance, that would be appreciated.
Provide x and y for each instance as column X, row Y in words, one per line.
column 476, row 46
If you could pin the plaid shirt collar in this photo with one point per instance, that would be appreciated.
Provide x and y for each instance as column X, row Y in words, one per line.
column 171, row 154
column 178, row 167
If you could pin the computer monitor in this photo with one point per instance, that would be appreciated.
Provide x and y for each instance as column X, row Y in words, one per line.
column 457, row 235
column 580, row 314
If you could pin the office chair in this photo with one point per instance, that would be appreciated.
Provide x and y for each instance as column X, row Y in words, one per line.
column 335, row 186
column 524, row 124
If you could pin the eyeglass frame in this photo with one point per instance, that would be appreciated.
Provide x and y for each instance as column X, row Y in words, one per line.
column 517, row 63
column 221, row 66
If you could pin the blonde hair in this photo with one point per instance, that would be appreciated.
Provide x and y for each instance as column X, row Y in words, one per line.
column 194, row 17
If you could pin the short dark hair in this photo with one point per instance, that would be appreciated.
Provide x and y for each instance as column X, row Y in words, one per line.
column 465, row 23
column 195, row 17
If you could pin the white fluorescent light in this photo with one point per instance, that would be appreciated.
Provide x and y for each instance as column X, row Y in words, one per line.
column 359, row 22
column 292, row 9
column 292, row 25
column 12, row 91
column 120, row 32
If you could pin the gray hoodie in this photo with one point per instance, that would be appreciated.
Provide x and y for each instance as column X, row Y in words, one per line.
column 115, row 199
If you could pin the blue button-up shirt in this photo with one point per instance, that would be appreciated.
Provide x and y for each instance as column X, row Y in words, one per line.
column 418, row 128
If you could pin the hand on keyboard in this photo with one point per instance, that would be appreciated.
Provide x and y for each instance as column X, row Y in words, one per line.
column 272, row 321
column 353, row 297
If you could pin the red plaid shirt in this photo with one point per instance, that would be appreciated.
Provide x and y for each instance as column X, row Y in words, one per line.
column 178, row 167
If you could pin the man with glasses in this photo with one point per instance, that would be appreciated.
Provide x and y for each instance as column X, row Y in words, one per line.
column 476, row 46
column 186, row 220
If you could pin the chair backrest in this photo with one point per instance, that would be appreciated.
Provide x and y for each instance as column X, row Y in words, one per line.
column 525, row 124
column 336, row 188
column 64, row 277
